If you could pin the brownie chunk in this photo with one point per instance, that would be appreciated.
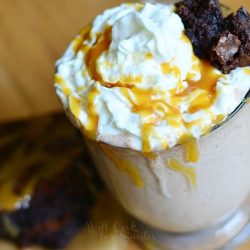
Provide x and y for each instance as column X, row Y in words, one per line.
column 203, row 21
column 225, row 50
column 234, row 41
column 48, row 184
column 223, row 41
column 59, row 208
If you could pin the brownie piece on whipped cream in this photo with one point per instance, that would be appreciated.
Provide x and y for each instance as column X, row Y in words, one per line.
column 223, row 41
column 232, row 48
column 203, row 21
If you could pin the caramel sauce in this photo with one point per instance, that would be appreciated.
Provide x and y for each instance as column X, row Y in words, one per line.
column 65, row 89
column 93, row 117
column 148, row 102
column 19, row 181
column 218, row 119
column 83, row 36
column 153, row 106
column 139, row 6
column 167, row 68
column 102, row 44
column 186, row 39
column 75, row 105
column 149, row 56
column 124, row 165
column 192, row 151
column 247, row 71
column 152, row 109
column 146, row 132
column 208, row 82
column 151, row 155
column 188, row 172
column 130, row 79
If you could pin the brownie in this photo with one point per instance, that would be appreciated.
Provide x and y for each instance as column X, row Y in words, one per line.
column 49, row 153
column 58, row 209
column 203, row 21
column 234, row 41
column 225, row 42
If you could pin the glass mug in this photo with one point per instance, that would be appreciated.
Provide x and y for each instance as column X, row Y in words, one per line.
column 177, row 212
column 185, row 208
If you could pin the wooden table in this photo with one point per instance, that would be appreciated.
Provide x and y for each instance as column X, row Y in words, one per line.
column 33, row 34
column 104, row 225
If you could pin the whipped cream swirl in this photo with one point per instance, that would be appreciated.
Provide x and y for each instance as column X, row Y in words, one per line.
column 131, row 80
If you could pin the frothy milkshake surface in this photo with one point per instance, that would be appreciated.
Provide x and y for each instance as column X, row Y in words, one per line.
column 132, row 74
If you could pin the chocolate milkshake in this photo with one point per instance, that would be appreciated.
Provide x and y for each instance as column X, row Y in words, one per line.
column 164, row 112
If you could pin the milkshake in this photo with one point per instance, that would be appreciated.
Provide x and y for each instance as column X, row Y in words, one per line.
column 160, row 122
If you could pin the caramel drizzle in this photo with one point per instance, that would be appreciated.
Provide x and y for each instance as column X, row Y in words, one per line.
column 188, row 172
column 207, row 83
column 192, row 151
column 65, row 89
column 124, row 165
column 153, row 106
column 79, row 40
column 93, row 117
column 19, row 181
column 152, row 109
column 102, row 44
column 75, row 105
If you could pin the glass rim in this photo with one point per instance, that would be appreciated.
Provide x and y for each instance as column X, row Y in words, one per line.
column 232, row 114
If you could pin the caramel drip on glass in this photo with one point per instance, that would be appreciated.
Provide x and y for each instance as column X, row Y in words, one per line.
column 192, row 151
column 151, row 155
column 146, row 134
column 188, row 172
column 124, row 165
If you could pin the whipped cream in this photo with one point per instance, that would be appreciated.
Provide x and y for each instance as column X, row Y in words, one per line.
column 131, row 80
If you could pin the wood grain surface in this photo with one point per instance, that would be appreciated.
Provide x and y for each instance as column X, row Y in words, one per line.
column 33, row 34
